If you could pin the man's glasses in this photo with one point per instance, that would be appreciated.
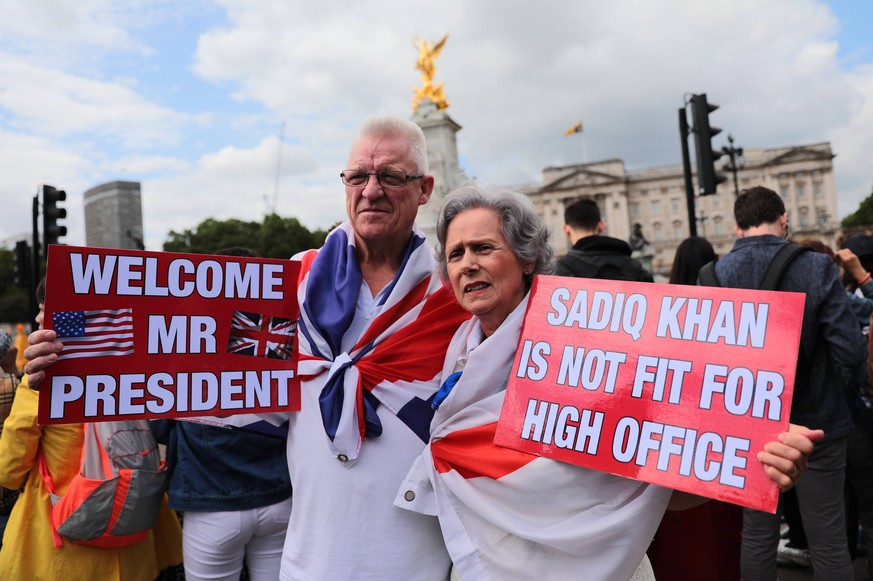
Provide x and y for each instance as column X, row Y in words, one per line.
column 387, row 179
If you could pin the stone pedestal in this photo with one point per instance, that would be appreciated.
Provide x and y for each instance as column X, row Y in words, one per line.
column 645, row 257
column 442, row 155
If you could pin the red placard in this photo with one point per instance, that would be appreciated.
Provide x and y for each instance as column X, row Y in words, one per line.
column 674, row 385
column 162, row 334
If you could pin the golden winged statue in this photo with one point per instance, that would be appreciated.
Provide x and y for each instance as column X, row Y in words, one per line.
column 427, row 54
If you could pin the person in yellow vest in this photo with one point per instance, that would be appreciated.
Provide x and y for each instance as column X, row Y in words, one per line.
column 8, row 383
column 27, row 552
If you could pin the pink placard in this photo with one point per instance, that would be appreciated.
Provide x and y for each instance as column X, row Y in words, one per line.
column 679, row 386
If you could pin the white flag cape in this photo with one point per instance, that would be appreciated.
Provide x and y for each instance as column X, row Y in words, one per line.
column 509, row 515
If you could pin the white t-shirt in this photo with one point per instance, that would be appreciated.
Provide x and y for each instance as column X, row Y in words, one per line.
column 343, row 524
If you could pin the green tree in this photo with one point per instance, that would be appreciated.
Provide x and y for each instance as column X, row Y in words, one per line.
column 284, row 237
column 276, row 237
column 863, row 216
column 211, row 235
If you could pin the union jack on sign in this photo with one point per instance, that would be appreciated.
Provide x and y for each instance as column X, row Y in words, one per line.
column 261, row 335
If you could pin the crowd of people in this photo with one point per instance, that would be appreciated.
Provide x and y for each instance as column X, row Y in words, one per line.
column 405, row 358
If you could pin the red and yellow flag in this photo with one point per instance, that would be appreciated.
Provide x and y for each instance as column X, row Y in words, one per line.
column 575, row 129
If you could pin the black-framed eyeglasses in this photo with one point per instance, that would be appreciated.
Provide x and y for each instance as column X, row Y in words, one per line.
column 357, row 178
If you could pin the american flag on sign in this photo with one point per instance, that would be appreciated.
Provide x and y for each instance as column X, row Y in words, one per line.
column 261, row 335
column 94, row 333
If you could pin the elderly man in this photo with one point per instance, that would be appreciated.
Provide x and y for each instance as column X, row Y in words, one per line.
column 374, row 324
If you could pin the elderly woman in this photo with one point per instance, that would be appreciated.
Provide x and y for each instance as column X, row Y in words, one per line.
column 506, row 514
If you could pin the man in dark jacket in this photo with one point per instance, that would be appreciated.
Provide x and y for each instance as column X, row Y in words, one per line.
column 830, row 337
column 594, row 255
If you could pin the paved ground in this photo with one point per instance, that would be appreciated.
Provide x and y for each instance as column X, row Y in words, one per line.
column 804, row 574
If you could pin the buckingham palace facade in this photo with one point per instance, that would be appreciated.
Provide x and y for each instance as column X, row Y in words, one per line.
column 655, row 198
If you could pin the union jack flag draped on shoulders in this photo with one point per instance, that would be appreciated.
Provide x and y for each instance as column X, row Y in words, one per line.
column 507, row 514
column 396, row 362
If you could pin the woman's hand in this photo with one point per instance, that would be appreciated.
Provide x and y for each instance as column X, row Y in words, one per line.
column 786, row 459
column 42, row 352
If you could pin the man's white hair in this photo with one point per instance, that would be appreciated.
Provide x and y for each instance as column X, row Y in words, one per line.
column 387, row 126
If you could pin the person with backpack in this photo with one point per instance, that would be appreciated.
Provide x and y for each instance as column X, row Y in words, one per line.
column 31, row 546
column 830, row 338
column 594, row 255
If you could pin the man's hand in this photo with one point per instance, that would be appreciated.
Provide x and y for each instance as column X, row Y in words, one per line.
column 786, row 459
column 42, row 352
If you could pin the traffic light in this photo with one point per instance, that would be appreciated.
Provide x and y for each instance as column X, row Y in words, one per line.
column 22, row 264
column 707, row 179
column 51, row 213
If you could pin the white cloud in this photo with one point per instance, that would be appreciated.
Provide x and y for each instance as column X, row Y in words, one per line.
column 81, row 32
column 50, row 102
column 146, row 165
column 518, row 73
column 38, row 25
column 27, row 162
column 241, row 183
column 855, row 142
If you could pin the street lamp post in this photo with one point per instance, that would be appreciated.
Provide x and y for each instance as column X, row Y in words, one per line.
column 702, row 218
column 736, row 161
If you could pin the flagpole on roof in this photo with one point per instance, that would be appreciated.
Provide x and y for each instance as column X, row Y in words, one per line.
column 578, row 128
column 272, row 210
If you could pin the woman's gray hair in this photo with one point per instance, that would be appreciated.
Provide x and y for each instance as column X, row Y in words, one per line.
column 522, row 228
column 396, row 127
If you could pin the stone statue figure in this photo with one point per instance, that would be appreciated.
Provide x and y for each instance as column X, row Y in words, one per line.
column 637, row 240
column 427, row 55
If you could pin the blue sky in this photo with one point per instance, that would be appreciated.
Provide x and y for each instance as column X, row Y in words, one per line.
column 189, row 98
column 855, row 18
